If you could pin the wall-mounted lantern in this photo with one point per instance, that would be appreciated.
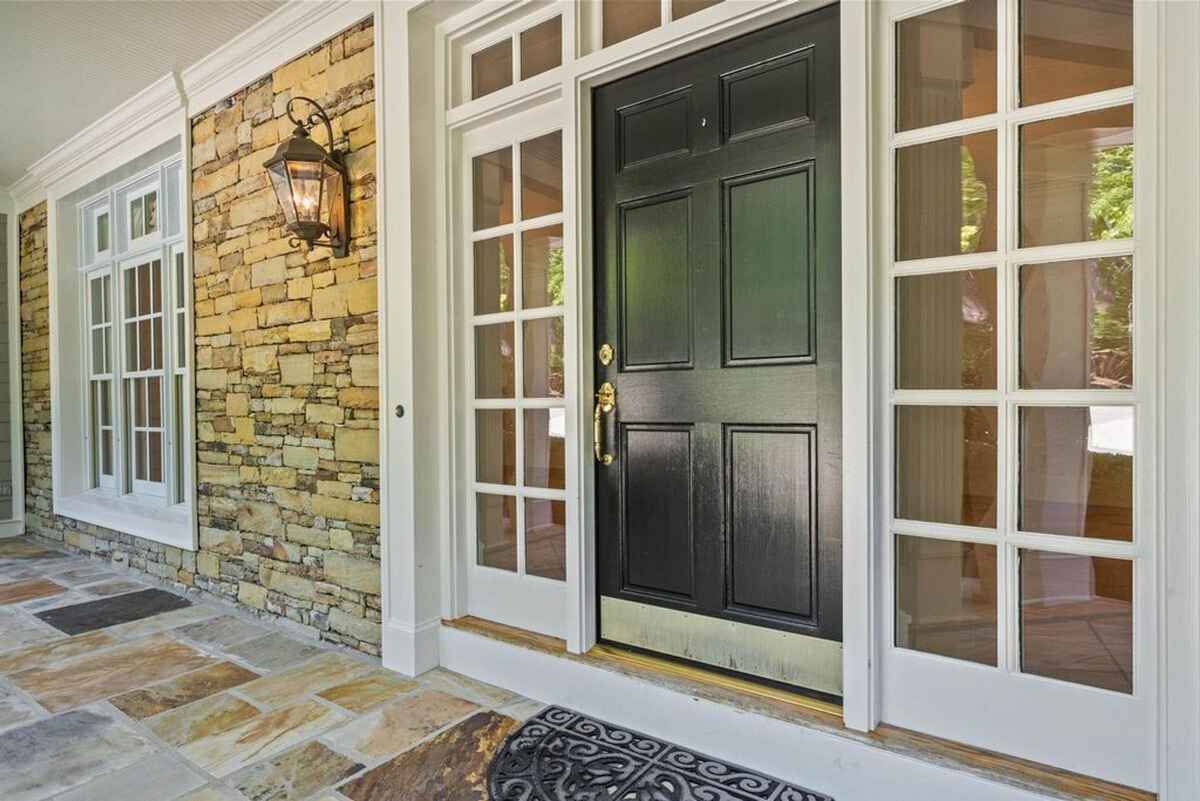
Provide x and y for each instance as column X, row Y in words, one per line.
column 311, row 184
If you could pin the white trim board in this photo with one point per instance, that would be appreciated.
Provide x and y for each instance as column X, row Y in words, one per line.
column 846, row 768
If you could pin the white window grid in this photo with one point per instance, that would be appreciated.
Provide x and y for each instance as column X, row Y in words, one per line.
column 142, row 326
column 517, row 317
column 100, row 354
column 167, row 312
column 1009, row 398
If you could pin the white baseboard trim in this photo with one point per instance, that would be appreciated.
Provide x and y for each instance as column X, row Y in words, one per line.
column 11, row 528
column 847, row 769
column 410, row 650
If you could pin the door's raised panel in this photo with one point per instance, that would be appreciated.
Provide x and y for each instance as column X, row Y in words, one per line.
column 770, row 509
column 655, row 128
column 766, row 97
column 769, row 230
column 657, row 536
column 655, row 282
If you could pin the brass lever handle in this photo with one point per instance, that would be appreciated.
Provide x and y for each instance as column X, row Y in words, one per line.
column 606, row 402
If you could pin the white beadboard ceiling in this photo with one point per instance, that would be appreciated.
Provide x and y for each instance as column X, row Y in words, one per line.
column 65, row 63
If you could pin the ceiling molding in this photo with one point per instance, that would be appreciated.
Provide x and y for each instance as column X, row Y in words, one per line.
column 275, row 40
column 26, row 192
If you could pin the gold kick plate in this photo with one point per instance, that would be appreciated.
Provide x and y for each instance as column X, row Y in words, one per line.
column 606, row 402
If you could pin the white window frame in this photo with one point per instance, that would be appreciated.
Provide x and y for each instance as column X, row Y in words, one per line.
column 99, row 375
column 1093, row 731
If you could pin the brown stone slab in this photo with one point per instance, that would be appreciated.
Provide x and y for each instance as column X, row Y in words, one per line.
column 365, row 692
column 182, row 690
column 294, row 774
column 398, row 725
column 49, row 653
column 204, row 718
column 450, row 767
column 17, row 591
column 119, row 670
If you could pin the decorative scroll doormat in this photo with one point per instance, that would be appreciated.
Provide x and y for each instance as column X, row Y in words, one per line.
column 560, row 755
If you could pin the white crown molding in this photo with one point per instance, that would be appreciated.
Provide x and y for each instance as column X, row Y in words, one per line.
column 26, row 192
column 276, row 39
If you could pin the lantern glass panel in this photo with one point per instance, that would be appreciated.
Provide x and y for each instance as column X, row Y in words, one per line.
column 283, row 190
column 307, row 181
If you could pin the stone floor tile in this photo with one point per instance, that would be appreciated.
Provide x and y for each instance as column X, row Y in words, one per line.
column 14, row 709
column 400, row 723
column 521, row 710
column 89, row 678
column 261, row 737
column 115, row 587
column 221, row 632
column 213, row 792
column 182, row 690
column 65, row 751
column 274, row 651
column 87, row 574
column 292, row 684
column 367, row 691
column 163, row 622
column 294, row 774
column 449, row 767
column 14, row 592
column 106, row 612
column 159, row 777
column 68, row 598
column 204, row 718
column 466, row 687
column 45, row 654
column 19, row 630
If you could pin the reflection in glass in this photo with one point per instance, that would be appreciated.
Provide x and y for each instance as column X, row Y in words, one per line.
column 541, row 176
column 1077, row 619
column 1077, row 324
column 946, row 598
column 625, row 18
column 491, row 68
column 541, row 47
column 542, row 267
column 493, row 190
column 545, row 448
column 494, row 275
column 1077, row 471
column 543, row 365
column 1077, row 178
column 496, row 446
column 102, row 232
column 1077, row 49
column 494, row 365
column 946, row 65
column 546, row 538
column 496, row 531
column 683, row 8
column 946, row 197
column 946, row 330
column 946, row 464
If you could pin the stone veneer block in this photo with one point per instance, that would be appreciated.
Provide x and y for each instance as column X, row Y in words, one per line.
column 183, row 690
column 106, row 612
column 452, row 766
column 294, row 774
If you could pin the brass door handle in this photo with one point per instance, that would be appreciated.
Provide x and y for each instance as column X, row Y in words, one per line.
column 606, row 402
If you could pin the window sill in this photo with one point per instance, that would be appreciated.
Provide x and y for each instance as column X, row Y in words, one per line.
column 169, row 525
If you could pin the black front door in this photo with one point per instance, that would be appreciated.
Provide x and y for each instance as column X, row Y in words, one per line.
column 718, row 291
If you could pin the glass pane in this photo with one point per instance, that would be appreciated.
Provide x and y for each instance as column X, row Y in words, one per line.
column 138, row 402
column 106, row 445
column 98, row 351
column 102, row 232
column 542, row 267
column 155, row 445
column 151, row 203
column 494, row 365
column 625, row 18
column 946, row 598
column 107, row 298
column 1077, row 324
column 493, row 189
column 131, row 346
column 156, row 291
column 105, row 403
column 683, row 8
column 177, row 424
column 145, row 346
column 1077, row 178
column 541, row 176
column 108, row 360
column 494, row 275
column 180, row 340
column 946, row 65
column 283, row 190
column 154, row 402
column 491, row 69
column 137, row 225
column 946, row 464
column 97, row 288
column 946, row 330
column 496, row 531
column 143, row 288
column 546, row 538
column 545, row 448
column 158, row 343
column 180, row 286
column 1071, row 50
column 1077, row 471
column 131, row 308
column 543, row 366
column 140, row 456
column 496, row 446
column 308, row 181
column 1077, row 619
column 946, row 197
column 541, row 47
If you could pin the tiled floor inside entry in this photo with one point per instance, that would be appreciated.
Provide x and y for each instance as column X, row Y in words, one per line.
column 113, row 689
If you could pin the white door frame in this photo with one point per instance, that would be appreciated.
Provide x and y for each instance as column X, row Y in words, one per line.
column 419, row 581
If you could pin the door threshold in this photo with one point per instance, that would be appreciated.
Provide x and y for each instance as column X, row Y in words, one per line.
column 1020, row 775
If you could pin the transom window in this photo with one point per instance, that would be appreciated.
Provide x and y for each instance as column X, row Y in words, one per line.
column 1015, row 411
column 517, row 56
column 134, row 306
